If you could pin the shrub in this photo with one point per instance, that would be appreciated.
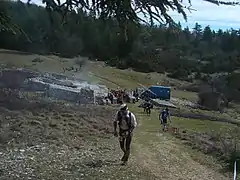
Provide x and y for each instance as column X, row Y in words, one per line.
column 231, row 153
column 80, row 62
column 234, row 156
column 37, row 59
column 179, row 74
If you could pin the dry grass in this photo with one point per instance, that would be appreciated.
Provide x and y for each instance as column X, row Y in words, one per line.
column 48, row 63
column 95, row 72
column 198, row 114
column 129, row 79
column 55, row 140
column 160, row 152
column 61, row 141
column 75, row 142
column 43, row 122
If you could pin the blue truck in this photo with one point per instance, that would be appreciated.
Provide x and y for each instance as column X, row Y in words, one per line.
column 157, row 92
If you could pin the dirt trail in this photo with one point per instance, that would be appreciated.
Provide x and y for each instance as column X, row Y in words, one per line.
column 57, row 142
column 163, row 158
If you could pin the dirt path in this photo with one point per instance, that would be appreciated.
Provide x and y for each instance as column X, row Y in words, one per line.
column 48, row 149
column 164, row 158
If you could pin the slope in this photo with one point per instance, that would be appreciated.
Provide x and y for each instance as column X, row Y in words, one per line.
column 61, row 141
column 166, row 158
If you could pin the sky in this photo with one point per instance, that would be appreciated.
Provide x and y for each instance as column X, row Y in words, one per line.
column 217, row 17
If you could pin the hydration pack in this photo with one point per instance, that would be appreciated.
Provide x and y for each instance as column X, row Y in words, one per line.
column 128, row 120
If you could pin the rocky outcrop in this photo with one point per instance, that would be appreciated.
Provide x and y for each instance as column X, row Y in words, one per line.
column 82, row 96
column 54, row 86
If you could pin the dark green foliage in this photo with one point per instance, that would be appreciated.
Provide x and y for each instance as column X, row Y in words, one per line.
column 122, row 11
column 235, row 155
column 128, row 11
column 181, row 53
column 179, row 74
column 158, row 48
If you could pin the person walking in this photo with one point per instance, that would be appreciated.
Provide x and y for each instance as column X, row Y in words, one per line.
column 163, row 117
column 149, row 106
column 126, row 121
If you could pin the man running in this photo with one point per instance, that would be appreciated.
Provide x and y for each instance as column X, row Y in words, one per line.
column 126, row 121
column 163, row 117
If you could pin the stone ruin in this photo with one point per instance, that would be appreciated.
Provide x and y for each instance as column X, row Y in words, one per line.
column 53, row 86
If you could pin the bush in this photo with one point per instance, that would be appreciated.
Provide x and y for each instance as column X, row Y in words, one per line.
column 80, row 62
column 112, row 61
column 210, row 100
column 234, row 156
column 198, row 75
column 179, row 74
column 230, row 152
column 37, row 59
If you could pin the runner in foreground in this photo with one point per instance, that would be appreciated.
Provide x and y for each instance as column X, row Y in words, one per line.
column 126, row 121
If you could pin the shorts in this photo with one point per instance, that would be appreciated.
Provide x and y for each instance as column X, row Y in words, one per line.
column 124, row 134
column 164, row 121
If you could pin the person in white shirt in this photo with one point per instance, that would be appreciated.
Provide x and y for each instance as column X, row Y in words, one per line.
column 126, row 121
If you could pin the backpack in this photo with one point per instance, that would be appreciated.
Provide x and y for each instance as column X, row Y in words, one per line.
column 129, row 120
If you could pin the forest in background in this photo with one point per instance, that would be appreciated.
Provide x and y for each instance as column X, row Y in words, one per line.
column 187, row 54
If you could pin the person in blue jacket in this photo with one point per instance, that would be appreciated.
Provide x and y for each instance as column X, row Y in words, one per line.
column 164, row 116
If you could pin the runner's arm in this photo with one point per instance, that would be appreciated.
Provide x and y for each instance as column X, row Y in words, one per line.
column 115, row 126
column 134, row 122
column 115, row 120
column 169, row 116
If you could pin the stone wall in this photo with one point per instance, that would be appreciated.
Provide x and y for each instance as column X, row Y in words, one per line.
column 83, row 96
column 35, row 85
column 59, row 87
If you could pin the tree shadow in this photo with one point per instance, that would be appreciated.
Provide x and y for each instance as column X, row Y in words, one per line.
column 3, row 51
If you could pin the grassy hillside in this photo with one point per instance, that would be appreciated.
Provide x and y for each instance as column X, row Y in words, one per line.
column 45, row 140
column 95, row 72
column 69, row 142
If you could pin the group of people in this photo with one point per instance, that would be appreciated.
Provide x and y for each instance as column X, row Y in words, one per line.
column 126, row 122
column 120, row 95
column 147, row 106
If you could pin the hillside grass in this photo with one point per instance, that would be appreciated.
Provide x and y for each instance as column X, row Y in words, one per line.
column 98, row 72
column 95, row 72
column 164, row 148
column 129, row 79
column 51, row 63
column 153, row 151
column 188, row 124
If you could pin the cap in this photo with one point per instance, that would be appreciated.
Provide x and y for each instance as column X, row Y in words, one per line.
column 123, row 107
